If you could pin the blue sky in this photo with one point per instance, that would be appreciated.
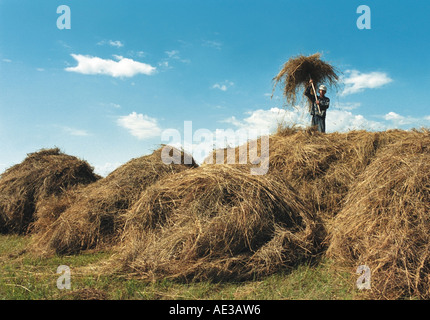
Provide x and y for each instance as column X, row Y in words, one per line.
column 127, row 71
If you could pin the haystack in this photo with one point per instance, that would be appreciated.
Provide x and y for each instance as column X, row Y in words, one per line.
column 217, row 222
column 297, row 72
column 323, row 167
column 41, row 175
column 89, row 217
column 385, row 223
column 320, row 167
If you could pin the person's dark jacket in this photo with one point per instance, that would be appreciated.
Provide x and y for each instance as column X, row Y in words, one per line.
column 324, row 102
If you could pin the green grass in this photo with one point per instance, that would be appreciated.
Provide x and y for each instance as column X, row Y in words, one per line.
column 23, row 277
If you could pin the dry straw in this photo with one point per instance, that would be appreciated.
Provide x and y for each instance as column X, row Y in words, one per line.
column 320, row 167
column 385, row 222
column 89, row 217
column 370, row 191
column 297, row 72
column 373, row 191
column 217, row 222
column 41, row 175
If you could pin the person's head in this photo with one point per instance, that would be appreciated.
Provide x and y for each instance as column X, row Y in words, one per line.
column 322, row 90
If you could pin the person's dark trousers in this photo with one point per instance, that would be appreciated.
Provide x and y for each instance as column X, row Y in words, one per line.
column 319, row 122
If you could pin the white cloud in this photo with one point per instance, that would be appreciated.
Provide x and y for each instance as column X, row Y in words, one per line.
column 106, row 168
column 212, row 44
column 64, row 44
column 164, row 64
column 75, row 132
column 348, row 106
column 392, row 116
column 117, row 44
column 138, row 54
column 357, row 81
column 124, row 67
column 139, row 125
column 40, row 69
column 223, row 86
column 111, row 43
column 173, row 53
column 398, row 120
column 337, row 120
column 342, row 121
column 7, row 60
column 110, row 105
column 269, row 119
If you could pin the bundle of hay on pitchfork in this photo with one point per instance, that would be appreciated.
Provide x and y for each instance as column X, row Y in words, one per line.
column 297, row 72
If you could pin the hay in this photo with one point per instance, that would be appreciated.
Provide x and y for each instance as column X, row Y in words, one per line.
column 297, row 72
column 320, row 167
column 385, row 222
column 216, row 222
column 42, row 174
column 219, row 222
column 323, row 167
column 89, row 217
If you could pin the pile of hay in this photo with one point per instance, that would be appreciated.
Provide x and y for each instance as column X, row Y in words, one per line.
column 320, row 167
column 323, row 167
column 90, row 217
column 297, row 72
column 385, row 222
column 41, row 175
column 217, row 222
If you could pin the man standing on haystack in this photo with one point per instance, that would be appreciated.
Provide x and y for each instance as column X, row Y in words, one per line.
column 320, row 105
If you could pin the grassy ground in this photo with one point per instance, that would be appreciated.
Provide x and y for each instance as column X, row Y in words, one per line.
column 25, row 277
